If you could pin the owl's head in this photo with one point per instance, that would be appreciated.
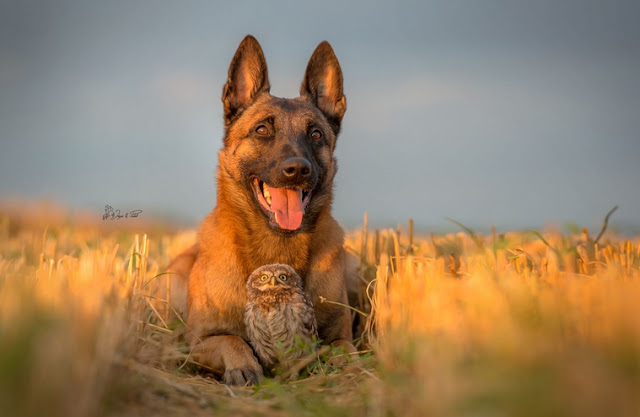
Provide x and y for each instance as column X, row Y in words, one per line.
column 272, row 277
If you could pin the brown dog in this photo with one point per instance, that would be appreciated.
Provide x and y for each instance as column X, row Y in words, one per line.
column 275, row 180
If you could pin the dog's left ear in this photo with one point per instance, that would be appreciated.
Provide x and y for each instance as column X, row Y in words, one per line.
column 322, row 84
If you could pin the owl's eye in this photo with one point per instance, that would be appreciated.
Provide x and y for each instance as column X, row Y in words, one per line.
column 263, row 278
column 283, row 277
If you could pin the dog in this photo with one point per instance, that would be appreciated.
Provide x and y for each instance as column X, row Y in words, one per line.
column 275, row 190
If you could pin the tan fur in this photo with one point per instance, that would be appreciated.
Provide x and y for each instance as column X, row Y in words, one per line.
column 178, row 275
column 235, row 238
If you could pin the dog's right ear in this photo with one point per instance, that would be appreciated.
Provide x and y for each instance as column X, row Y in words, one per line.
column 247, row 78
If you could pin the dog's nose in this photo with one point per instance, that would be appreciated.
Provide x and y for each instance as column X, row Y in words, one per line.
column 296, row 168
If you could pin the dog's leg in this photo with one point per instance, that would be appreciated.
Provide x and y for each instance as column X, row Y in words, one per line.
column 229, row 355
column 344, row 336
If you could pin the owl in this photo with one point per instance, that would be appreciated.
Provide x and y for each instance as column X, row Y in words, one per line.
column 277, row 311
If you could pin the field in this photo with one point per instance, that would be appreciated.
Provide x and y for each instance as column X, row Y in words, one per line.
column 543, row 323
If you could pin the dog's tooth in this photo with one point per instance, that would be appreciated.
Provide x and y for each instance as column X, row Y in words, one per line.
column 267, row 194
column 268, row 198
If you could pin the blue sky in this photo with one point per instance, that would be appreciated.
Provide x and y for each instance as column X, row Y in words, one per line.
column 514, row 114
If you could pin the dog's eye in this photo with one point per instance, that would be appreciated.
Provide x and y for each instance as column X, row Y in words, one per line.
column 316, row 134
column 264, row 278
column 283, row 277
column 262, row 130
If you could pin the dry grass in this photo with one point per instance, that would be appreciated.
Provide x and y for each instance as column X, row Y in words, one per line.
column 461, row 324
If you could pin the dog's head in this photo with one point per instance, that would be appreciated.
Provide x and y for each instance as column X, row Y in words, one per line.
column 278, row 152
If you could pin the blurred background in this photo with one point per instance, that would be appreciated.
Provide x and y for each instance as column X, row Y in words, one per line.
column 500, row 113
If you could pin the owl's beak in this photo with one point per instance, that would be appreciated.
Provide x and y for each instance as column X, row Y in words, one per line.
column 273, row 280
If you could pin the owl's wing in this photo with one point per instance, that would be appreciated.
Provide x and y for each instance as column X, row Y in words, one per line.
column 313, row 327
column 254, row 324
column 309, row 318
column 259, row 333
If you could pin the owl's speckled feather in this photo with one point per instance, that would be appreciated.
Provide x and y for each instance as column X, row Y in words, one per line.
column 277, row 310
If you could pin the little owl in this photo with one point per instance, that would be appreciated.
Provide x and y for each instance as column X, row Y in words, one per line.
column 277, row 311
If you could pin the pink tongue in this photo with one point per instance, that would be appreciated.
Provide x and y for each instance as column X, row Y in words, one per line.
column 287, row 206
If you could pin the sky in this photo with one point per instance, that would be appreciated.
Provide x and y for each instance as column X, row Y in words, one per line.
column 513, row 114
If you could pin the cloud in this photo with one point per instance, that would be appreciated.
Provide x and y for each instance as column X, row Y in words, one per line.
column 183, row 89
column 386, row 100
column 11, row 69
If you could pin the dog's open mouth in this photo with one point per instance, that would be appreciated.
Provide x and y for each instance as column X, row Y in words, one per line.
column 284, row 206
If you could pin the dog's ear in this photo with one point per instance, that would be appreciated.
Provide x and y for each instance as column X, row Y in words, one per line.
column 247, row 78
column 322, row 84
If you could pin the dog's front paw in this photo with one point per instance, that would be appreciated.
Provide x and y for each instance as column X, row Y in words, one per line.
column 242, row 377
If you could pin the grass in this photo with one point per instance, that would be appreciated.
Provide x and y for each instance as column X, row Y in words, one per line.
column 521, row 323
